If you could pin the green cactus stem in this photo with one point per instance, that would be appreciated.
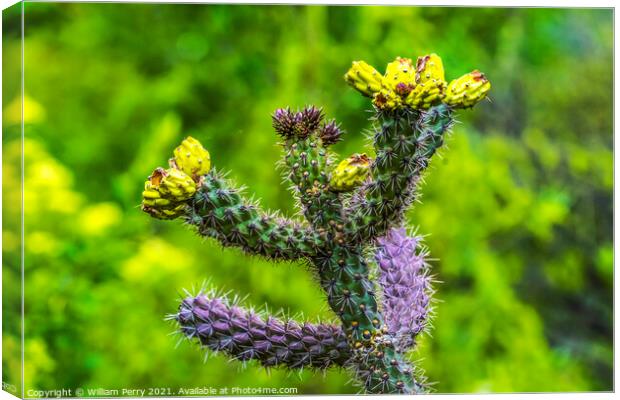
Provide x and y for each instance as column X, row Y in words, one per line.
column 404, row 142
column 219, row 211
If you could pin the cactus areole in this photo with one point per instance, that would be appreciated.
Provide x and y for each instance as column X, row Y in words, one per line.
column 352, row 221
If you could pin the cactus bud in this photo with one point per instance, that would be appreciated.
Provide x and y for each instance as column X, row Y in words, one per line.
column 467, row 90
column 310, row 119
column 165, row 192
column 191, row 158
column 300, row 124
column 330, row 133
column 350, row 173
column 284, row 122
column 364, row 78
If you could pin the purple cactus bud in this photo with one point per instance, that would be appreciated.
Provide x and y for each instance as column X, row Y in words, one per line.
column 330, row 133
column 405, row 283
column 300, row 124
column 284, row 122
column 244, row 335
column 311, row 118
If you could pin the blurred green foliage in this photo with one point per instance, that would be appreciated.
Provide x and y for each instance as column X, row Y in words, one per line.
column 518, row 209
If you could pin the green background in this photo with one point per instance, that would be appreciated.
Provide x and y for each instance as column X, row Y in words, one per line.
column 518, row 208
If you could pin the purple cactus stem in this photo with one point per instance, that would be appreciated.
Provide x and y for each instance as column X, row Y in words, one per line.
column 244, row 335
column 406, row 285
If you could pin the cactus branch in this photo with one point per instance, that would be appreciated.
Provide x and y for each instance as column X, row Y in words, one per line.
column 307, row 159
column 245, row 335
column 404, row 142
column 405, row 284
column 218, row 210
column 350, row 210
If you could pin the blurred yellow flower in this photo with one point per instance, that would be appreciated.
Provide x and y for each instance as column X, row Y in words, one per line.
column 40, row 242
column 155, row 254
column 33, row 111
column 96, row 219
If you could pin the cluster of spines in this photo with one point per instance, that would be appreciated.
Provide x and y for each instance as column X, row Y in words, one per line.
column 246, row 335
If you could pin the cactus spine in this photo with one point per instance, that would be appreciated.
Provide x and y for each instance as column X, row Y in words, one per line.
column 351, row 211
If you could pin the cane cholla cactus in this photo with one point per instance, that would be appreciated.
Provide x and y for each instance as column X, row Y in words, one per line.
column 353, row 215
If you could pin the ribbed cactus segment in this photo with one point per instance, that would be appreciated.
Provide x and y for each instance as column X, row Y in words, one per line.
column 434, row 124
column 381, row 368
column 307, row 162
column 344, row 277
column 245, row 335
column 376, row 361
column 219, row 211
column 404, row 142
column 405, row 284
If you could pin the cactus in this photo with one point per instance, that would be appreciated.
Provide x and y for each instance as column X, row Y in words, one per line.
column 352, row 225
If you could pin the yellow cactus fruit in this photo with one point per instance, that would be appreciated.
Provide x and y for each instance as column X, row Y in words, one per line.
column 398, row 82
column 165, row 192
column 429, row 68
column 387, row 100
column 430, row 82
column 467, row 90
column 400, row 75
column 425, row 95
column 364, row 78
column 191, row 158
column 350, row 173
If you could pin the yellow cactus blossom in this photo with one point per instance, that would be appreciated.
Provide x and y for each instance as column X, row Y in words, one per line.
column 364, row 78
column 350, row 173
column 165, row 193
column 191, row 158
column 467, row 90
